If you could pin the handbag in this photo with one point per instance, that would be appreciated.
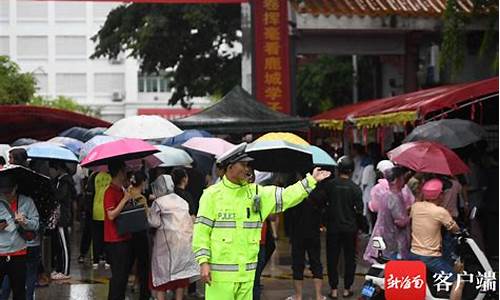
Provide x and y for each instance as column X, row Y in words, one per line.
column 27, row 235
column 132, row 218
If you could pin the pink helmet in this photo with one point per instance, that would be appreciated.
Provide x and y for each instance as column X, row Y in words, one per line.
column 432, row 189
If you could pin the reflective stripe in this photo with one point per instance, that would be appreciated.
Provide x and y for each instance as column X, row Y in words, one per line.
column 224, row 267
column 252, row 224
column 205, row 221
column 279, row 199
column 251, row 266
column 224, row 224
column 305, row 185
column 202, row 252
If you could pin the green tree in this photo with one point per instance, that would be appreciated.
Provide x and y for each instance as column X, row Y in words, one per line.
column 63, row 102
column 324, row 83
column 190, row 42
column 455, row 21
column 15, row 87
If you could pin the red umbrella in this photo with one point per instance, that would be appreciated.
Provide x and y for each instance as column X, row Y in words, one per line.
column 123, row 149
column 428, row 157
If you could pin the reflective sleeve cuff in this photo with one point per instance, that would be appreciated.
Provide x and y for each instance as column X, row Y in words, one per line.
column 202, row 259
column 308, row 183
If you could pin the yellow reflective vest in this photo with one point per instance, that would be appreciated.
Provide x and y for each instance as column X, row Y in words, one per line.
column 227, row 230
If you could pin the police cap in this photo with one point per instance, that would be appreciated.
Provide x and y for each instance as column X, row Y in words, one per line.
column 234, row 155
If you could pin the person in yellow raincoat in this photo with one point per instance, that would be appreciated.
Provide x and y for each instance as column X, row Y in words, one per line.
column 229, row 221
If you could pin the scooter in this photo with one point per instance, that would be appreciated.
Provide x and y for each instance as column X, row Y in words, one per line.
column 469, row 253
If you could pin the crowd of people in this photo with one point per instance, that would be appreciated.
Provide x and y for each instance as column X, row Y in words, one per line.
column 372, row 197
column 171, row 227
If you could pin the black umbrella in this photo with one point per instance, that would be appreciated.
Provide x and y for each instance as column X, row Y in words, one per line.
column 35, row 185
column 23, row 142
column 82, row 134
column 279, row 156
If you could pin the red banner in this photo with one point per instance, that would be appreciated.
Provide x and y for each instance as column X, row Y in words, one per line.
column 272, row 67
column 168, row 113
column 161, row 1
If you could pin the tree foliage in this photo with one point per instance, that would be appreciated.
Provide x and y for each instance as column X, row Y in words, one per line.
column 63, row 102
column 324, row 83
column 190, row 42
column 455, row 21
column 15, row 87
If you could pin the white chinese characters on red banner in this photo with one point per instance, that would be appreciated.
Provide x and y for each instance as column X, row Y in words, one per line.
column 271, row 54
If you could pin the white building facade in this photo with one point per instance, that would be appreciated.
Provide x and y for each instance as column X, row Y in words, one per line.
column 52, row 40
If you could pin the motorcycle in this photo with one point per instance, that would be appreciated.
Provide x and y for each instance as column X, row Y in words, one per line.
column 474, row 260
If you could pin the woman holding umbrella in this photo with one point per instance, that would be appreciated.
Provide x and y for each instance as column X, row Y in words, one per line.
column 17, row 214
column 119, row 246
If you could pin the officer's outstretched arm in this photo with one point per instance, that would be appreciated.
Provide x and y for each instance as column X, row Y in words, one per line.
column 203, row 228
column 276, row 199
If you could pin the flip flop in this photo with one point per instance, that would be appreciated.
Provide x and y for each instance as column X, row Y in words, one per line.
column 349, row 294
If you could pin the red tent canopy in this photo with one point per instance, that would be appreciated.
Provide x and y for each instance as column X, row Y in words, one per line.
column 22, row 121
column 408, row 107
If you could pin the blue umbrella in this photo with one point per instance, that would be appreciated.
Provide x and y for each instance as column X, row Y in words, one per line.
column 70, row 143
column 172, row 157
column 46, row 150
column 185, row 136
column 321, row 157
column 95, row 141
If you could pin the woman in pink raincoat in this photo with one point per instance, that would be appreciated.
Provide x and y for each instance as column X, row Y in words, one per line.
column 390, row 199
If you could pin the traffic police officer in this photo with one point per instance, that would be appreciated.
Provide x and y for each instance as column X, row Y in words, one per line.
column 228, row 226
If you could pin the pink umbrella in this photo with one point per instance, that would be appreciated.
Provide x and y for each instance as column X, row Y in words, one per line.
column 428, row 157
column 210, row 145
column 124, row 149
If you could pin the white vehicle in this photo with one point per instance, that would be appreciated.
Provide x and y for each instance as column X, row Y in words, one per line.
column 473, row 258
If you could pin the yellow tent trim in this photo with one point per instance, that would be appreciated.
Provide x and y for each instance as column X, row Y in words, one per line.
column 330, row 124
column 398, row 118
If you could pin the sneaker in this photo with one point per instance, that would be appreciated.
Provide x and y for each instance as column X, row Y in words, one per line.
column 81, row 259
column 95, row 266
column 107, row 266
column 60, row 276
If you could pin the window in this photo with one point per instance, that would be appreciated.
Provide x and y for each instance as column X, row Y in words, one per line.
column 71, row 46
column 32, row 46
column 32, row 10
column 4, row 10
column 109, row 82
column 163, row 85
column 141, row 84
column 153, row 84
column 70, row 11
column 71, row 83
column 42, row 83
column 4, row 45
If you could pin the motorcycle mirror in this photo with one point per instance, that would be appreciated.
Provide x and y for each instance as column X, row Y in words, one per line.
column 473, row 213
column 378, row 243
